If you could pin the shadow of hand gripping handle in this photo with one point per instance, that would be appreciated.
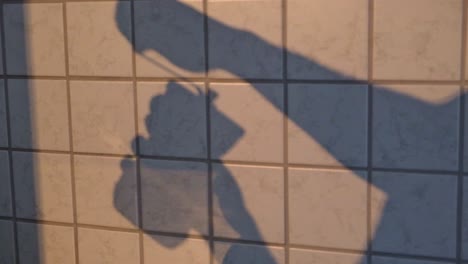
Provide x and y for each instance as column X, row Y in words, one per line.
column 171, row 191
column 175, row 193
column 172, row 24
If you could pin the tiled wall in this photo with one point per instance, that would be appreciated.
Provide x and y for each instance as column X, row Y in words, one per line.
column 144, row 132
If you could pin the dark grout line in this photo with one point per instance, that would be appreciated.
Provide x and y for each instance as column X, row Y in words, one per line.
column 414, row 257
column 137, row 138
column 9, row 140
column 415, row 82
column 70, row 135
column 248, row 242
column 461, row 143
column 110, row 228
column 31, row 77
column 206, row 81
column 284, row 23
column 329, row 249
column 419, row 171
column 247, row 163
column 234, row 80
column 370, row 76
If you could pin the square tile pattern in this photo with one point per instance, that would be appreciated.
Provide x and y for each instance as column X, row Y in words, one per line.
column 34, row 38
column 416, row 127
column 418, row 216
column 328, row 224
column 56, row 244
column 106, row 50
column 248, row 202
column 161, row 107
column 118, row 117
column 102, row 246
column 175, row 196
column 245, row 39
column 169, row 40
column 39, row 114
column 422, row 42
column 327, row 39
column 103, row 117
column 175, row 250
column 327, row 124
column 245, row 126
column 106, row 191
column 43, row 186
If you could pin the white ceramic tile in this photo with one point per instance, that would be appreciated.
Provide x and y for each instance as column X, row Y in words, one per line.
column 39, row 114
column 328, row 208
column 327, row 124
column 419, row 216
column 172, row 119
column 34, row 38
column 247, row 122
column 160, row 249
column 169, row 38
column 97, row 38
column 327, row 39
column 417, row 39
column 175, row 196
column 106, row 191
column 416, row 127
column 41, row 244
column 248, row 202
column 103, row 117
column 245, row 39
column 43, row 186
column 107, row 247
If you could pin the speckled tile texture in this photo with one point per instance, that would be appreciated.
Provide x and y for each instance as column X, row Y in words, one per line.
column 234, row 132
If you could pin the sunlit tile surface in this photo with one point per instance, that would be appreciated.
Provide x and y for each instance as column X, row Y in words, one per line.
column 96, row 47
column 106, row 191
column 104, row 246
column 417, row 39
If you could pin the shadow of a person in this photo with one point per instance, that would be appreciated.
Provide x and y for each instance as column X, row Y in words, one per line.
column 399, row 104
column 174, row 194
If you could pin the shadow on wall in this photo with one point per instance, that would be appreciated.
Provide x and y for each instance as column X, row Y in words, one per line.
column 180, row 201
column 175, row 193
column 19, row 196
